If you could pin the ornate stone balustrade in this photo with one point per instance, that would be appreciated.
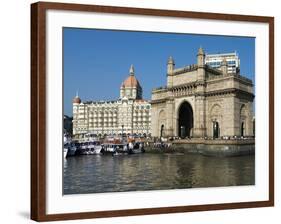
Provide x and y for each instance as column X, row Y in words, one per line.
column 185, row 69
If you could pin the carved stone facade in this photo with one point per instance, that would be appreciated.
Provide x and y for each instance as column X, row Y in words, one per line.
column 200, row 101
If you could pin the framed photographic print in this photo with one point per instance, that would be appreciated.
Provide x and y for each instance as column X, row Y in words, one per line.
column 142, row 111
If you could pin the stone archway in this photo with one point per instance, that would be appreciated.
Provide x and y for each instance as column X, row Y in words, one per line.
column 216, row 119
column 162, row 131
column 243, row 120
column 216, row 129
column 242, row 128
column 161, row 124
column 185, row 120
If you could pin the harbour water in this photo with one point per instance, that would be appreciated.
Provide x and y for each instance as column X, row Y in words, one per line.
column 147, row 171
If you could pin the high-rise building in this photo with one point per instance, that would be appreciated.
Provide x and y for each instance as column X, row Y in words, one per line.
column 130, row 114
column 232, row 60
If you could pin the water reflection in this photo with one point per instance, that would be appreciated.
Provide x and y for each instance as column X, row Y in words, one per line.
column 93, row 174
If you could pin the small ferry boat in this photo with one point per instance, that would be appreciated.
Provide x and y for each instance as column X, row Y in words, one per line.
column 89, row 148
column 69, row 146
column 115, row 148
column 93, row 148
column 108, row 148
column 136, row 147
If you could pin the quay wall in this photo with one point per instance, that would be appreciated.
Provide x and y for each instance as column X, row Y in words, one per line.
column 218, row 148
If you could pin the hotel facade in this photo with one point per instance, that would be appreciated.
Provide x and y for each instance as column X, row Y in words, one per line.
column 130, row 114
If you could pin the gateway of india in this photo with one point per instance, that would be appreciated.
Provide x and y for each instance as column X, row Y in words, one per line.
column 207, row 99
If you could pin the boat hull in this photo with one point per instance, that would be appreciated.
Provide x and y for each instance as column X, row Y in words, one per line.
column 65, row 151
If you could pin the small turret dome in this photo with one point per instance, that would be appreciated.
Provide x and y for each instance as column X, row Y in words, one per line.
column 201, row 51
column 171, row 60
column 76, row 99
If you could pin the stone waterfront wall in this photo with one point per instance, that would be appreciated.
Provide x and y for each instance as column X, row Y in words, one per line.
column 221, row 148
column 215, row 150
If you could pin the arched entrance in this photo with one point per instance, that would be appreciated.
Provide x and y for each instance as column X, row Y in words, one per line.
column 216, row 118
column 161, row 123
column 242, row 129
column 216, row 129
column 185, row 121
column 162, row 130
column 243, row 120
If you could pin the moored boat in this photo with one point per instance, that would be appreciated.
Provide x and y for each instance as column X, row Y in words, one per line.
column 69, row 146
column 136, row 147
column 115, row 148
column 93, row 148
column 65, row 146
column 89, row 147
column 71, row 149
column 65, row 150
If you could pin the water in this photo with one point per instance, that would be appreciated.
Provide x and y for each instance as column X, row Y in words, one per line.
column 95, row 173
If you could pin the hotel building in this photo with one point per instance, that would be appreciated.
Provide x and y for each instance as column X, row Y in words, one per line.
column 130, row 114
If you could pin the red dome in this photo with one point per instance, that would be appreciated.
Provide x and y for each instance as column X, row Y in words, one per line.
column 76, row 100
column 131, row 81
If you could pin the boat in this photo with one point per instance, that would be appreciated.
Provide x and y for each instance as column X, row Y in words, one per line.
column 65, row 150
column 69, row 146
column 93, row 148
column 84, row 147
column 137, row 147
column 122, row 148
column 98, row 149
column 89, row 147
column 108, row 147
column 114, row 148
column 71, row 149
column 65, row 146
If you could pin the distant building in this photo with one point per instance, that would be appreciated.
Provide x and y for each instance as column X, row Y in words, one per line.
column 130, row 114
column 203, row 100
column 67, row 124
column 232, row 60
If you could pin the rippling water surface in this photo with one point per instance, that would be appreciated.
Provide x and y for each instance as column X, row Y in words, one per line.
column 95, row 173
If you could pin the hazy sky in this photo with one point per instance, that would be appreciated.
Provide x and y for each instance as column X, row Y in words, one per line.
column 97, row 61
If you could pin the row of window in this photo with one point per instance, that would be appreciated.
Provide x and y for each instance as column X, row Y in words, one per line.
column 138, row 107
column 144, row 113
column 218, row 63
column 142, row 107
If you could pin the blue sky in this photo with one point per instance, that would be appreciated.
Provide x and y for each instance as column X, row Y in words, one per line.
column 97, row 61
